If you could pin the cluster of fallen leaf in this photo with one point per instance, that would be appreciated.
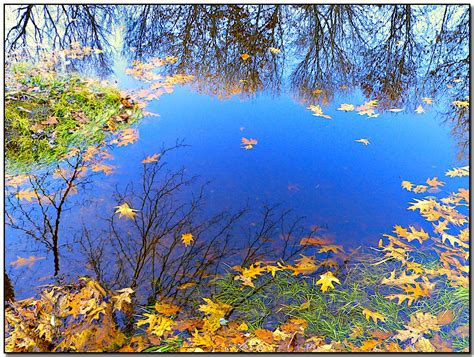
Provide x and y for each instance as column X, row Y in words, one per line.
column 83, row 316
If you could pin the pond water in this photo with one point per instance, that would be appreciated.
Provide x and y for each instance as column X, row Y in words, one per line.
column 309, row 168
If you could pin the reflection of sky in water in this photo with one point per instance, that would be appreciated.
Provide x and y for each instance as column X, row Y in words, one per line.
column 305, row 163
column 309, row 164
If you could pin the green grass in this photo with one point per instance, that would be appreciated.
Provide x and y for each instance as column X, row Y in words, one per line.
column 33, row 96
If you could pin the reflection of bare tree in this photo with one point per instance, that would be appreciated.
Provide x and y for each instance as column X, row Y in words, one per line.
column 448, row 70
column 52, row 188
column 59, row 26
column 390, row 63
column 209, row 41
column 149, row 250
column 327, row 36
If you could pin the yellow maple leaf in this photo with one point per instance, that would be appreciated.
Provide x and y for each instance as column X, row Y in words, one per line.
column 245, row 56
column 326, row 280
column 427, row 100
column 274, row 50
column 125, row 210
column 187, row 238
column 363, row 141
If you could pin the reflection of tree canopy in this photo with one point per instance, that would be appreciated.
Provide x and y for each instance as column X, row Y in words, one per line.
column 326, row 37
column 209, row 41
column 394, row 53
column 60, row 26
column 390, row 63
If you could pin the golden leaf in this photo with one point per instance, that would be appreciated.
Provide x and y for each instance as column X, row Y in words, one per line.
column 21, row 262
column 26, row 195
column 346, row 107
column 124, row 210
column 407, row 185
column 375, row 316
column 149, row 159
column 326, row 280
column 420, row 109
column 187, row 238
column 245, row 56
column 363, row 141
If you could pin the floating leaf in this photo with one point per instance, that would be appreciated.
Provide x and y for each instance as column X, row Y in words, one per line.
column 326, row 280
column 125, row 210
column 363, row 141
column 187, row 238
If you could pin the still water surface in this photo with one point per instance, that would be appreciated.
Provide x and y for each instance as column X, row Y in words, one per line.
column 307, row 164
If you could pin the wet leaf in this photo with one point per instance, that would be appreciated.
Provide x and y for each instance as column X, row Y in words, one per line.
column 187, row 238
column 125, row 210
column 326, row 281
column 363, row 141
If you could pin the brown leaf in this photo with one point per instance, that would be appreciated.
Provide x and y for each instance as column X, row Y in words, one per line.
column 382, row 335
column 445, row 317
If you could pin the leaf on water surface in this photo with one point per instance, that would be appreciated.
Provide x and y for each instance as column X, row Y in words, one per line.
column 363, row 141
column 346, row 107
column 187, row 238
column 326, row 280
column 248, row 144
column 314, row 241
column 434, row 182
column 420, row 109
column 375, row 316
column 123, row 299
column 157, row 325
column 458, row 172
column 186, row 285
column 445, row 317
column 167, row 309
column 21, row 262
column 125, row 210
column 396, row 110
column 26, row 195
column 407, row 185
column 149, row 159
column 403, row 279
column 427, row 100
column 245, row 56
column 318, row 112
column 368, row 109
column 461, row 103
column 331, row 247
column 101, row 167
column 274, row 50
